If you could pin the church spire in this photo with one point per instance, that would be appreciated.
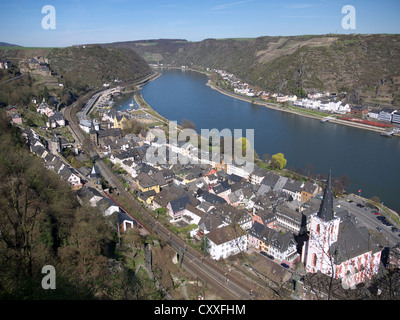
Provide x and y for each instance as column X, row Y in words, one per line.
column 326, row 210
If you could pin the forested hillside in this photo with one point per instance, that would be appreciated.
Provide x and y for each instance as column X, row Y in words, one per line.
column 367, row 67
column 42, row 223
column 83, row 67
column 78, row 69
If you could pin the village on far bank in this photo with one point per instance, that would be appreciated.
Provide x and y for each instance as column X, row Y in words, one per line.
column 216, row 206
column 322, row 104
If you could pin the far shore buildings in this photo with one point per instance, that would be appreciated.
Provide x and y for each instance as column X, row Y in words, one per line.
column 337, row 247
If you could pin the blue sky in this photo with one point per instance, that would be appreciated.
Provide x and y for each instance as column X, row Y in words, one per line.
column 89, row 21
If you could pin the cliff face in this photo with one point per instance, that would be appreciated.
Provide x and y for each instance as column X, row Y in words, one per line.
column 367, row 67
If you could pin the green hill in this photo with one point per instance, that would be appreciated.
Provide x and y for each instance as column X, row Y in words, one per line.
column 94, row 65
column 365, row 66
column 79, row 68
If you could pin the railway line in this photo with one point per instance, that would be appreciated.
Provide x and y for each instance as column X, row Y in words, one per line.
column 227, row 285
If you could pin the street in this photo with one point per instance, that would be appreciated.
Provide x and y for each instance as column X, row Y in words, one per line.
column 366, row 217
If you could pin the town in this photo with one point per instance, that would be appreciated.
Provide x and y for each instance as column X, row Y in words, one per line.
column 330, row 103
column 288, row 227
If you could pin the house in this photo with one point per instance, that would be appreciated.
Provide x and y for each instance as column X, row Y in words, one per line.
column 72, row 178
column 338, row 247
column 177, row 208
column 5, row 64
column 374, row 114
column 309, row 190
column 96, row 199
column 221, row 189
column 166, row 195
column 293, row 188
column 211, row 198
column 385, row 115
column 33, row 63
column 280, row 246
column 289, row 219
column 239, row 170
column 55, row 120
column 147, row 196
column 44, row 108
column 207, row 223
column 396, row 117
column 16, row 118
column 11, row 110
column 265, row 217
column 232, row 215
column 145, row 182
column 257, row 175
column 86, row 125
column 358, row 110
column 192, row 216
column 124, row 221
column 119, row 121
column 226, row 241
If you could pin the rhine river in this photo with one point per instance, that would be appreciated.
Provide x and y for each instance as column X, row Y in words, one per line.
column 371, row 162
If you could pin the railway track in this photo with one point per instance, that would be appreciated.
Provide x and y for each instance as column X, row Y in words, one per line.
column 227, row 285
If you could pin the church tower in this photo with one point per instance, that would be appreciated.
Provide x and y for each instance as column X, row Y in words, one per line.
column 55, row 145
column 94, row 135
column 324, row 230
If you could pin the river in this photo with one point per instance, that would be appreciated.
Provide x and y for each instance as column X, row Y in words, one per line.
column 371, row 162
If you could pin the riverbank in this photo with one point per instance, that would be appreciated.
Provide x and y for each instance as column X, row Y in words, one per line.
column 302, row 113
column 286, row 109
column 195, row 96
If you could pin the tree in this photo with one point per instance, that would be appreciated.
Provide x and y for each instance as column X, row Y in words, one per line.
column 243, row 145
column 266, row 157
column 278, row 161
column 187, row 124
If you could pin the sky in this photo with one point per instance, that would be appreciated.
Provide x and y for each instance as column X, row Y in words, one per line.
column 103, row 21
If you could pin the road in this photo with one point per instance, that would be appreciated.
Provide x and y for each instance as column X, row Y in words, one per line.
column 369, row 220
column 227, row 285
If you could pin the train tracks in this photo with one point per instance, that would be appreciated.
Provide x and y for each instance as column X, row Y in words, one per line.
column 227, row 285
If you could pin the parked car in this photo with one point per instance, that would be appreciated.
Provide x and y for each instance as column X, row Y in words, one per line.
column 285, row 265
column 379, row 229
column 267, row 255
column 375, row 213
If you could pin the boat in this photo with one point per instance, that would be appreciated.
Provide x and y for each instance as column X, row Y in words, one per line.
column 387, row 134
column 132, row 104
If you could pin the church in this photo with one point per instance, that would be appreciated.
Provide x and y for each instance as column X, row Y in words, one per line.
column 338, row 247
column 102, row 137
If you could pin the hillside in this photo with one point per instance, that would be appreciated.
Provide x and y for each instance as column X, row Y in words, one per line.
column 78, row 68
column 365, row 66
column 153, row 51
column 95, row 65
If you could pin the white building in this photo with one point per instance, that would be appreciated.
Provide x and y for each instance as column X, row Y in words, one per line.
column 226, row 241
column 240, row 171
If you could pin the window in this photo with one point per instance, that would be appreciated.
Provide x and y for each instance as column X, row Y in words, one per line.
column 314, row 260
